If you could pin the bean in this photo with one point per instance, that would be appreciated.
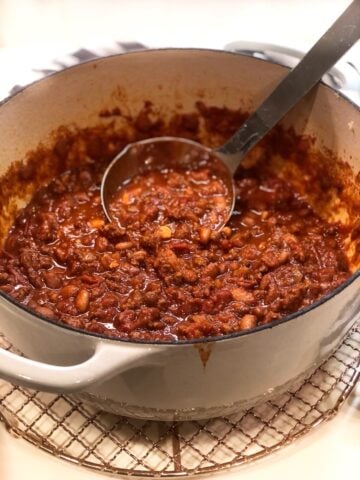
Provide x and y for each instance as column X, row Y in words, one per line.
column 125, row 198
column 53, row 296
column 275, row 258
column 219, row 202
column 46, row 311
column 69, row 290
column 215, row 234
column 238, row 240
column 199, row 261
column 96, row 223
column 247, row 321
column 82, row 300
column 90, row 279
column 139, row 256
column 4, row 277
column 152, row 298
column 248, row 221
column 211, row 270
column 189, row 276
column 21, row 293
column 204, row 234
column 52, row 279
column 123, row 245
column 61, row 254
column 6, row 288
column 242, row 295
column 109, row 300
column 227, row 231
column 164, row 232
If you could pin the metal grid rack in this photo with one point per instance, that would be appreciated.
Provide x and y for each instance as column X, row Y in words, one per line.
column 101, row 441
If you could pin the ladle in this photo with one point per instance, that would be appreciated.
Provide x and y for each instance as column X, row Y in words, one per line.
column 173, row 152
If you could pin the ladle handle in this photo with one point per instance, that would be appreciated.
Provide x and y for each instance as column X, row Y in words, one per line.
column 342, row 35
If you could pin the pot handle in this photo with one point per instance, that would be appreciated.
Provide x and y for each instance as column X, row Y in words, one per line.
column 344, row 76
column 105, row 361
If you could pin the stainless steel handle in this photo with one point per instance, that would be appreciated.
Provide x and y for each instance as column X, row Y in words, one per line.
column 323, row 55
column 343, row 76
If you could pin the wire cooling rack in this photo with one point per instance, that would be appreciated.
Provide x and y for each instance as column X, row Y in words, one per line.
column 82, row 434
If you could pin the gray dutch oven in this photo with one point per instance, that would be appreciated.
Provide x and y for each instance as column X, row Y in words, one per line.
column 171, row 381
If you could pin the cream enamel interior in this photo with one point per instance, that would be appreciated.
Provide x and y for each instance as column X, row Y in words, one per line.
column 168, row 78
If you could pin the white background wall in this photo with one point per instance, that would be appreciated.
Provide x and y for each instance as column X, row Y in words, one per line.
column 155, row 22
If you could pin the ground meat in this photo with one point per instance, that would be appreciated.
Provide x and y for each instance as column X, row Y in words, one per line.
column 172, row 200
column 160, row 274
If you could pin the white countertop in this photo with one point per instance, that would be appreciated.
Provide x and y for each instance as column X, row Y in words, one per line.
column 32, row 32
column 332, row 452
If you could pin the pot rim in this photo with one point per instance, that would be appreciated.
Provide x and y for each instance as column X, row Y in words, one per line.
column 202, row 340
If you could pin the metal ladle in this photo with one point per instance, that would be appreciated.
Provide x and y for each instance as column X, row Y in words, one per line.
column 172, row 152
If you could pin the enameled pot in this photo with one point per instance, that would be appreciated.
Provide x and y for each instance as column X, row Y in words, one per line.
column 187, row 380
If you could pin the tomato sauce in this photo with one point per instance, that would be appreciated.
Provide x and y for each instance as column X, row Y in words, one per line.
column 161, row 272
